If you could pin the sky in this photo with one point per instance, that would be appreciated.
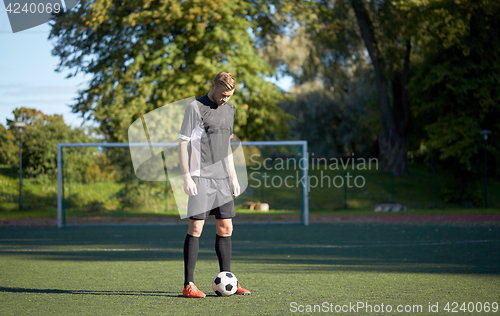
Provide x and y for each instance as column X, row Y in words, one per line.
column 28, row 77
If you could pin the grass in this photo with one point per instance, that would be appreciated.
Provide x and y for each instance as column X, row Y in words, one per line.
column 138, row 270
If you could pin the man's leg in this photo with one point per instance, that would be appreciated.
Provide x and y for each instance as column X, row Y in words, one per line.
column 223, row 248
column 191, row 247
column 223, row 243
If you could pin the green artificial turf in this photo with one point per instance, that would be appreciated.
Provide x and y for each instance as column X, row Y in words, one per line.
column 138, row 270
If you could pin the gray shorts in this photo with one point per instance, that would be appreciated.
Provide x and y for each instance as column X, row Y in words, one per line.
column 215, row 197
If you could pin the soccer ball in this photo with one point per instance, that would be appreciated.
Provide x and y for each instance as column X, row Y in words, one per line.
column 225, row 284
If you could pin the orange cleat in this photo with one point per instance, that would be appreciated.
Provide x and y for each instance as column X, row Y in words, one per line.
column 242, row 291
column 192, row 291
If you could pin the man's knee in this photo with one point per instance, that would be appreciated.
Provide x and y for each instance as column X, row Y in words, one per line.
column 195, row 227
column 224, row 227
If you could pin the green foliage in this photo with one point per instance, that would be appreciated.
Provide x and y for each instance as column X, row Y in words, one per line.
column 145, row 196
column 145, row 54
column 454, row 67
column 9, row 137
column 8, row 153
column 335, row 126
column 455, row 93
column 40, row 144
column 39, row 150
column 334, row 101
column 438, row 24
column 88, row 165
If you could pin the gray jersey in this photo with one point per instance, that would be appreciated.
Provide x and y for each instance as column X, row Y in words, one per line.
column 209, row 128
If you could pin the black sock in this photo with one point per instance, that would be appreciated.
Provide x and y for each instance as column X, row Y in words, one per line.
column 191, row 247
column 223, row 250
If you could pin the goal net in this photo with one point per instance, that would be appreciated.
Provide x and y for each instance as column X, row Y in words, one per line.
column 116, row 183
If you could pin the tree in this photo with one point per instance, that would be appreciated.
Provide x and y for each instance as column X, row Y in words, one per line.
column 341, row 35
column 145, row 54
column 334, row 126
column 333, row 97
column 387, row 64
column 9, row 137
column 9, row 154
column 454, row 91
column 442, row 55
column 40, row 138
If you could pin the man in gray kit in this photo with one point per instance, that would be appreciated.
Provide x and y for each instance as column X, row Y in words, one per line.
column 209, row 175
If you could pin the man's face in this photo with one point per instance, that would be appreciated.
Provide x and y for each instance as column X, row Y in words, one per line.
column 222, row 95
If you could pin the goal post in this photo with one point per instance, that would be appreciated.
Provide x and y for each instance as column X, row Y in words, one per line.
column 303, row 165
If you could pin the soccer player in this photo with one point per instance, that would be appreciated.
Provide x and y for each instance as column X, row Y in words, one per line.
column 209, row 175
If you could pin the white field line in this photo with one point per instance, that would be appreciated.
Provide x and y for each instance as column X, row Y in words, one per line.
column 418, row 244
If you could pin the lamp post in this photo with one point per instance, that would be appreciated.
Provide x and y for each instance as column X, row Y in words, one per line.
column 20, row 126
column 485, row 191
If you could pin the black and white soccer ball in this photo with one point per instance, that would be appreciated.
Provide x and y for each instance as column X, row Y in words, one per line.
column 225, row 284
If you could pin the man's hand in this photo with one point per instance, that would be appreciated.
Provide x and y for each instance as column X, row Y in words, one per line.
column 190, row 187
column 235, row 186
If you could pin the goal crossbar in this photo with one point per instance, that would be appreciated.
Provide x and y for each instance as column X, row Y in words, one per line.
column 304, row 209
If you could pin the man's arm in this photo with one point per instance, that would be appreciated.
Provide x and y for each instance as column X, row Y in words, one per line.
column 232, row 172
column 189, row 185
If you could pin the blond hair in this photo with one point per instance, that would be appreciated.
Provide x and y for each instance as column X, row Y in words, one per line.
column 225, row 80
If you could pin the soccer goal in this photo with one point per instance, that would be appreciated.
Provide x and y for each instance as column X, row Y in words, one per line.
column 106, row 180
